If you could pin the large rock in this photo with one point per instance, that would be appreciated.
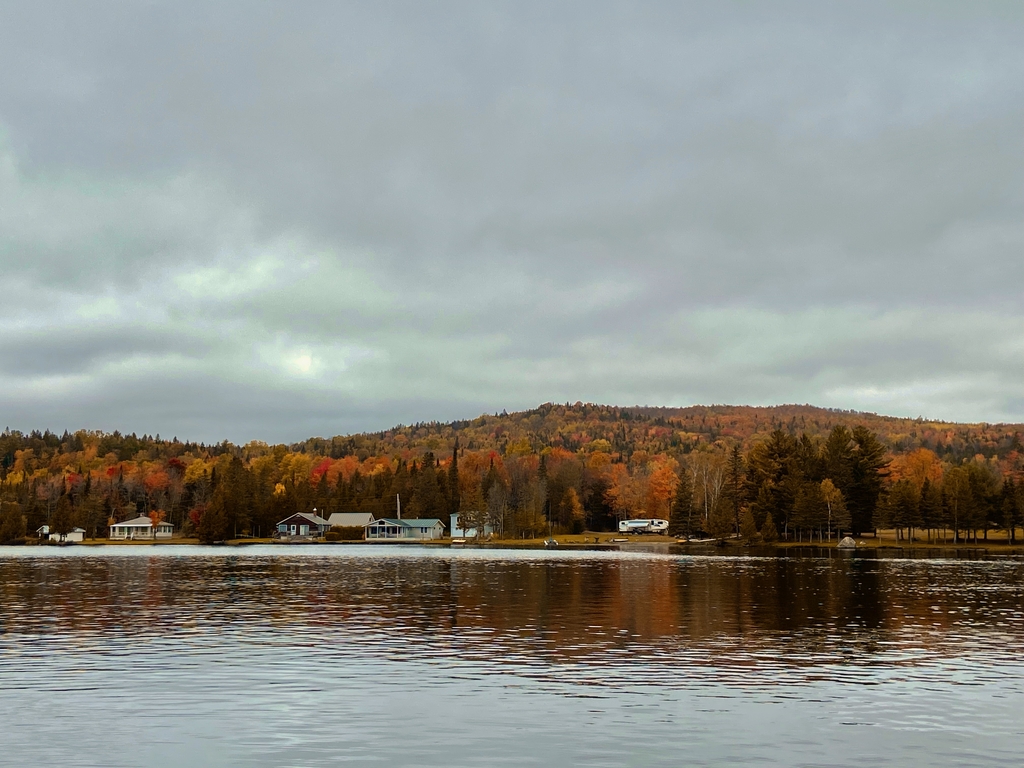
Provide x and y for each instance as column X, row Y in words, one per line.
column 847, row 543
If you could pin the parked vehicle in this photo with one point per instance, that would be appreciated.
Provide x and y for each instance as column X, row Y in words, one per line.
column 651, row 525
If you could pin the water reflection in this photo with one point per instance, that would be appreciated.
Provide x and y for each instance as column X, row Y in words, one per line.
column 571, row 606
column 254, row 638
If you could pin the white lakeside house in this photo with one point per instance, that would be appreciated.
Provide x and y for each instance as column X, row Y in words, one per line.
column 141, row 528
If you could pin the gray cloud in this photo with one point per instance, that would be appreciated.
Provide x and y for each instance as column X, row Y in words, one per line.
column 271, row 221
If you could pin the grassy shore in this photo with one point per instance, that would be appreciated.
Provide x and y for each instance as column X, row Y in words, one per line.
column 997, row 542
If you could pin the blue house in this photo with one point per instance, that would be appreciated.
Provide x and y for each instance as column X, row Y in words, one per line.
column 303, row 524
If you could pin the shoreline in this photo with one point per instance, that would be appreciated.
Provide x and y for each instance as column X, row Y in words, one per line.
column 602, row 542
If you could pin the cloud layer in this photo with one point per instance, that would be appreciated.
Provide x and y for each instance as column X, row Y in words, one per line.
column 269, row 222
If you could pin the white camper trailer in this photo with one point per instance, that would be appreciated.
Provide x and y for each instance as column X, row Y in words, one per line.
column 650, row 525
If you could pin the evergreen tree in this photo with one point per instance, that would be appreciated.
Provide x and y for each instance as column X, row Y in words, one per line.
column 957, row 500
column 901, row 508
column 868, row 470
column 454, row 494
column 983, row 513
column 774, row 476
column 734, row 485
column 61, row 521
column 810, row 511
column 837, row 458
column 769, row 533
column 214, row 526
column 323, row 496
column 748, row 528
column 1010, row 498
column 12, row 522
column 680, row 517
column 720, row 522
column 930, row 506
column 427, row 500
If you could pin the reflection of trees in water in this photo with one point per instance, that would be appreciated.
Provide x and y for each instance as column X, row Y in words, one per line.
column 721, row 610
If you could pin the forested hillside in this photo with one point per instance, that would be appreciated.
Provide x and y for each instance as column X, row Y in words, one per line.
column 782, row 471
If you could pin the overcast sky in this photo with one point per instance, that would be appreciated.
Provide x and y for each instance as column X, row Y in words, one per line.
column 275, row 220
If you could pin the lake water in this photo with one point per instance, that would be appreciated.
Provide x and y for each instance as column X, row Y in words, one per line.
column 377, row 655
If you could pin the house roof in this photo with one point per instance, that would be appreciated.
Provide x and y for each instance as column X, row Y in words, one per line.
column 413, row 522
column 141, row 522
column 138, row 522
column 350, row 519
column 314, row 519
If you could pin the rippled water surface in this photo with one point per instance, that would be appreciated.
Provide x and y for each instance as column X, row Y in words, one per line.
column 315, row 656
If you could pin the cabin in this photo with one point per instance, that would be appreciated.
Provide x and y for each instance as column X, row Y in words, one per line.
column 43, row 531
column 458, row 532
column 414, row 529
column 141, row 528
column 75, row 534
column 303, row 524
column 350, row 519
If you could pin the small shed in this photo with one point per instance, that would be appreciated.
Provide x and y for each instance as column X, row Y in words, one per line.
column 75, row 534
column 413, row 528
column 350, row 519
column 303, row 524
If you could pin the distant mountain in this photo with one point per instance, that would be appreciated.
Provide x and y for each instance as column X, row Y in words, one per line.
column 582, row 426
column 572, row 427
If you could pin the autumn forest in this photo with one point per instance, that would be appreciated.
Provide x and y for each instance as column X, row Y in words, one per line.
column 786, row 472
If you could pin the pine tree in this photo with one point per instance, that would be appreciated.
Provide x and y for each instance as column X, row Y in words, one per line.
column 735, row 484
column 931, row 506
column 809, row 510
column 214, row 525
column 720, row 523
column 680, row 517
column 1010, row 507
column 748, row 529
column 769, row 532
column 869, row 465
column 454, row 495
column 12, row 522
column 61, row 522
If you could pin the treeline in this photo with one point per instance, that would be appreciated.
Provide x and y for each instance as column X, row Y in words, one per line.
column 559, row 468
column 799, row 487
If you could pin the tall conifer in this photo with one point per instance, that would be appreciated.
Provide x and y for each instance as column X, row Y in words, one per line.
column 454, row 497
